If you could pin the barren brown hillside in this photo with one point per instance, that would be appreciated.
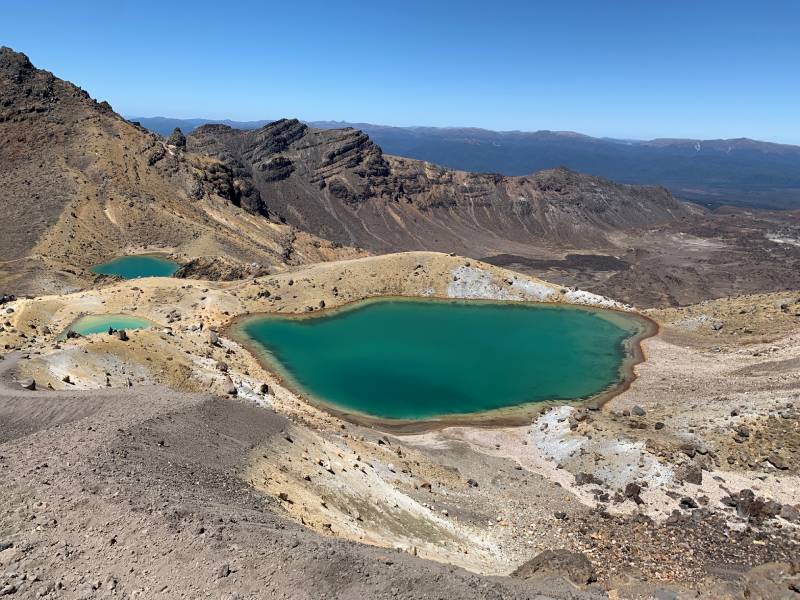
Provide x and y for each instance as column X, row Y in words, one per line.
column 79, row 184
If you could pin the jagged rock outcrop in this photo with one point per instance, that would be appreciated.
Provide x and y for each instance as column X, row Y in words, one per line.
column 177, row 139
column 339, row 185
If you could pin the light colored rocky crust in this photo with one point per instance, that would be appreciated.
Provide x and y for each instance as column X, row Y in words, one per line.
column 616, row 484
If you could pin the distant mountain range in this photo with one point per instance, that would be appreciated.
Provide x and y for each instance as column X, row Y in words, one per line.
column 737, row 172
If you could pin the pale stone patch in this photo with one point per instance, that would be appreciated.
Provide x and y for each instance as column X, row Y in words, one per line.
column 473, row 283
column 590, row 299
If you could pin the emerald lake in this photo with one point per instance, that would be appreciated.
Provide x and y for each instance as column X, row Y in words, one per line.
column 91, row 324
column 137, row 265
column 421, row 359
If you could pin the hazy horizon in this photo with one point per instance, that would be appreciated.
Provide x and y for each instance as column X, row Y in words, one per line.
column 627, row 70
column 455, row 127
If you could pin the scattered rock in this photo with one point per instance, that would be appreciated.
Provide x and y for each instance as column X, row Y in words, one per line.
column 752, row 507
column 122, row 335
column 28, row 384
column 638, row 411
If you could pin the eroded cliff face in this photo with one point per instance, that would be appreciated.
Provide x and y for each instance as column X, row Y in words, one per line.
column 339, row 185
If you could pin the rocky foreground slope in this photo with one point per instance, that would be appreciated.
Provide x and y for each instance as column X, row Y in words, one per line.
column 685, row 485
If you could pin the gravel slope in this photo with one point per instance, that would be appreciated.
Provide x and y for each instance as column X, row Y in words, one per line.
column 137, row 494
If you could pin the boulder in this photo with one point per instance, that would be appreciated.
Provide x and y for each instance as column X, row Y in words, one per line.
column 633, row 491
column 790, row 513
column 693, row 474
column 573, row 566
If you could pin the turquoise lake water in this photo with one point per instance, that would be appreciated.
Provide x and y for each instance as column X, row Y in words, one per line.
column 399, row 359
column 100, row 323
column 137, row 265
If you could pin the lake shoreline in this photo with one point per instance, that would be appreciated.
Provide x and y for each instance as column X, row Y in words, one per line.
column 511, row 416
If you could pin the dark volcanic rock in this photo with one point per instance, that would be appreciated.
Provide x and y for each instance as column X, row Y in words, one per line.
column 633, row 491
column 177, row 139
column 752, row 507
column 277, row 169
column 570, row 565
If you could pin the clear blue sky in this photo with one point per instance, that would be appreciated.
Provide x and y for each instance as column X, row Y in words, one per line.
column 622, row 68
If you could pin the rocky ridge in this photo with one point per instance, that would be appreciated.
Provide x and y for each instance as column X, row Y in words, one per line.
column 339, row 185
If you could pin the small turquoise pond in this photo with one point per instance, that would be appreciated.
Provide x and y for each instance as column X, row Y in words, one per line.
column 416, row 360
column 101, row 323
column 138, row 265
